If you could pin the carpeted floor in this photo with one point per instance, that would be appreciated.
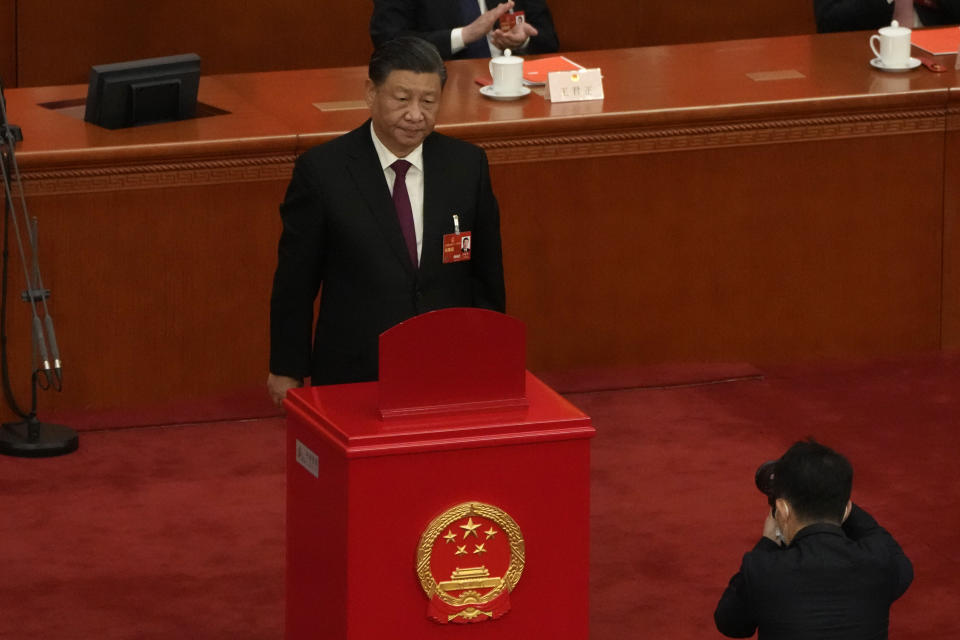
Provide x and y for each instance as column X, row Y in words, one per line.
column 674, row 506
column 177, row 532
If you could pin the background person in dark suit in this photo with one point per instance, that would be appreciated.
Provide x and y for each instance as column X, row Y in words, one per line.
column 837, row 574
column 861, row 15
column 377, row 255
column 465, row 28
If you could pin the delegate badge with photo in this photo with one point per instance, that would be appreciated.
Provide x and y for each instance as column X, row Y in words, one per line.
column 511, row 19
column 456, row 247
column 469, row 560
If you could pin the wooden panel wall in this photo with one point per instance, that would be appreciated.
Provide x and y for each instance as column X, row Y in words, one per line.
column 609, row 24
column 8, row 42
column 951, row 227
column 728, row 254
column 58, row 41
column 152, row 291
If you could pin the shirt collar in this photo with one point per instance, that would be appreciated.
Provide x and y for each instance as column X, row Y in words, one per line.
column 820, row 527
column 387, row 157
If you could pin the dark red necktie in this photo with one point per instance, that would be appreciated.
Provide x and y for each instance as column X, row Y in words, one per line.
column 401, row 202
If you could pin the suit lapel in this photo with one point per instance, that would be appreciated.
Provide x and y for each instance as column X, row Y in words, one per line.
column 434, row 222
column 364, row 165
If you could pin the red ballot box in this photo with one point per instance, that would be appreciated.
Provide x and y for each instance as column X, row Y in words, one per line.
column 448, row 500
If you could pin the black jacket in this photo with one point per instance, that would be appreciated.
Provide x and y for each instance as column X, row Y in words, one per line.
column 340, row 232
column 861, row 15
column 829, row 583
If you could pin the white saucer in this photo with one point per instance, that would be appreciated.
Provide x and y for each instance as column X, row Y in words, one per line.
column 490, row 93
column 912, row 63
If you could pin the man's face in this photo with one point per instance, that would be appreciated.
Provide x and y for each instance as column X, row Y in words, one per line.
column 404, row 109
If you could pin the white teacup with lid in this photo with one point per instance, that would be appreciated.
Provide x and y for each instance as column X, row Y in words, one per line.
column 507, row 74
column 892, row 46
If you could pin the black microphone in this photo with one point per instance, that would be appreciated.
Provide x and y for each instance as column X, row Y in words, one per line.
column 54, row 349
column 35, row 295
column 41, row 343
column 29, row 438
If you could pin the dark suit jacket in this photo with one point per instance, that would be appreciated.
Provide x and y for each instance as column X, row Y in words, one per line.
column 830, row 583
column 340, row 232
column 433, row 20
column 861, row 15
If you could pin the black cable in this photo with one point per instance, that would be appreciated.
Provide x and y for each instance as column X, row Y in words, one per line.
column 4, row 365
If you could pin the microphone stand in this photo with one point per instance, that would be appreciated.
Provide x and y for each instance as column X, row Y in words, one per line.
column 28, row 438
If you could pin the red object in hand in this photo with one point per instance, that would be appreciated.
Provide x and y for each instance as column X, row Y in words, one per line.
column 511, row 19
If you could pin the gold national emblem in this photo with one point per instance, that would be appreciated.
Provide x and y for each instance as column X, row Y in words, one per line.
column 469, row 560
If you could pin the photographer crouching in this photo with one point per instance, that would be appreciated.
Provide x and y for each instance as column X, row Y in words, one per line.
column 824, row 568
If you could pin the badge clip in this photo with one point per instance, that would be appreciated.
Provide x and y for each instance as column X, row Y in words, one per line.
column 456, row 224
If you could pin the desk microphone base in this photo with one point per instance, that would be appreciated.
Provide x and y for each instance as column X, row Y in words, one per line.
column 34, row 439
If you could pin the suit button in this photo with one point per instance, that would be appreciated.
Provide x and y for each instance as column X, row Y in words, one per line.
column 419, row 294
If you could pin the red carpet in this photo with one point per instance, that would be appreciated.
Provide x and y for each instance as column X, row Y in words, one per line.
column 648, row 377
column 240, row 405
column 177, row 532
column 674, row 506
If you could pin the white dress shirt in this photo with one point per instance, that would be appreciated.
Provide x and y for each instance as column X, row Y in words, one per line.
column 414, row 180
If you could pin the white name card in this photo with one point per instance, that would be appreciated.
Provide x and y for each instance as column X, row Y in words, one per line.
column 576, row 85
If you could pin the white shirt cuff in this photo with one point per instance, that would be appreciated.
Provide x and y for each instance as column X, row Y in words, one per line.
column 456, row 40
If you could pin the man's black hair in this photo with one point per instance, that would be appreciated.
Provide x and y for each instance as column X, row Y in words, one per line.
column 815, row 480
column 406, row 53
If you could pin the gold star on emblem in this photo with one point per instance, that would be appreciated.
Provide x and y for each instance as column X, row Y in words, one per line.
column 461, row 551
column 450, row 536
column 479, row 548
column 470, row 528
column 490, row 533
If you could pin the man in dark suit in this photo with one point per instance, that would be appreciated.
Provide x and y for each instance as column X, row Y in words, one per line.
column 466, row 28
column 364, row 219
column 861, row 15
column 824, row 568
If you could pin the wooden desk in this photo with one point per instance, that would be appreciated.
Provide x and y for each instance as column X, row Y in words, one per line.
column 761, row 200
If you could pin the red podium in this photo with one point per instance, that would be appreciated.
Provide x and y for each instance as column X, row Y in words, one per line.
column 448, row 500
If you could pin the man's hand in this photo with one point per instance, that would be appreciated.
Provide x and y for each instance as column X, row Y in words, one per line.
column 514, row 38
column 483, row 25
column 903, row 13
column 771, row 530
column 278, row 386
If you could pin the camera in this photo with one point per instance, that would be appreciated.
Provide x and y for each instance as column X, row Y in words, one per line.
column 764, row 479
